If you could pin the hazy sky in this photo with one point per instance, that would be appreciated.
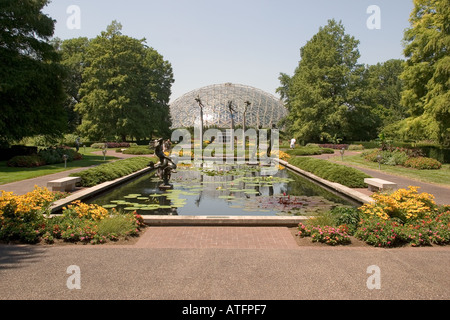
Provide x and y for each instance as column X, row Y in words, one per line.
column 240, row 41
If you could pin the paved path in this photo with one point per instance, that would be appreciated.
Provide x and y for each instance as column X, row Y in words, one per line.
column 233, row 273
column 24, row 186
column 441, row 193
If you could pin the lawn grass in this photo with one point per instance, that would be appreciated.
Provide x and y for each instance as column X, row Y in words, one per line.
column 10, row 174
column 441, row 176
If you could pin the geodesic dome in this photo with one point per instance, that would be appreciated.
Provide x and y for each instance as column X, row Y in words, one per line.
column 264, row 111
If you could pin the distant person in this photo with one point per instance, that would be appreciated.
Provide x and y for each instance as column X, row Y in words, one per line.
column 293, row 143
column 77, row 143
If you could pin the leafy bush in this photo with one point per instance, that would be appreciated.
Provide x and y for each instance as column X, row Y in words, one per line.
column 433, row 228
column 111, row 171
column 334, row 146
column 334, row 172
column 355, row 147
column 22, row 216
column 324, row 234
column 394, row 158
column 403, row 204
column 85, row 230
column 26, row 161
column 138, row 150
column 346, row 216
column 44, row 157
column 309, row 151
column 112, row 145
column 423, row 163
column 55, row 155
column 26, row 219
column 410, row 158
column 97, row 145
column 379, row 232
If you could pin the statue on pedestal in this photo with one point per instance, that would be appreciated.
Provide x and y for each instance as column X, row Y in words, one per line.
column 165, row 166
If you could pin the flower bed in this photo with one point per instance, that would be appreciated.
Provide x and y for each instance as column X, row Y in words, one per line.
column 404, row 217
column 26, row 219
column 410, row 158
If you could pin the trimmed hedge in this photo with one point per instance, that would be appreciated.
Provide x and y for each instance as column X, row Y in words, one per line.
column 347, row 176
column 112, row 145
column 309, row 151
column 111, row 171
column 138, row 150
column 440, row 154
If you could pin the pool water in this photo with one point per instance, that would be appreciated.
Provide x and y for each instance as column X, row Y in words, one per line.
column 222, row 190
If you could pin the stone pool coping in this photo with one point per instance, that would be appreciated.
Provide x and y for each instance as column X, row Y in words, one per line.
column 165, row 220
column 349, row 192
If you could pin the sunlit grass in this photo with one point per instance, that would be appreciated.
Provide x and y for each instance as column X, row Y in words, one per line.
column 10, row 174
column 441, row 176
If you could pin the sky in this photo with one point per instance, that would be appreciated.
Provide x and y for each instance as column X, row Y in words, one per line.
column 246, row 42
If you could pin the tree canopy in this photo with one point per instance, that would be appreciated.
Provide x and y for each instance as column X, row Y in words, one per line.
column 324, row 92
column 31, row 89
column 427, row 71
column 125, row 90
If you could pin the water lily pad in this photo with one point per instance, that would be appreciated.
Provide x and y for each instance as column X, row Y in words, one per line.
column 109, row 206
column 226, row 197
column 148, row 208
column 131, row 196
column 251, row 192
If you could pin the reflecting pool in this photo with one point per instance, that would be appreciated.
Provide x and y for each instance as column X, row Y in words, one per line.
column 223, row 190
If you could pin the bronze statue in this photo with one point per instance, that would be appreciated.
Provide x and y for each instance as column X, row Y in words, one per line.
column 165, row 166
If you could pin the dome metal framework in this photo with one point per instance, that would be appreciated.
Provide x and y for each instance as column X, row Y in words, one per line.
column 264, row 109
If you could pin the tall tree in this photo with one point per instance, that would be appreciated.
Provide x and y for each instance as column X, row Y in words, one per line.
column 31, row 90
column 382, row 90
column 323, row 92
column 125, row 86
column 427, row 70
column 73, row 52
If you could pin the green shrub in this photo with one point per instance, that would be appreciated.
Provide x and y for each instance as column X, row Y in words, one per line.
column 367, row 144
column 348, row 216
column 26, row 161
column 394, row 158
column 438, row 153
column 423, row 163
column 138, row 150
column 379, row 232
column 355, row 147
column 97, row 145
column 324, row 234
column 334, row 172
column 111, row 171
column 55, row 155
column 309, row 151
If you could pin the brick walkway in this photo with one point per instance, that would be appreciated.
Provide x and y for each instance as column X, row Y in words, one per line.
column 217, row 237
